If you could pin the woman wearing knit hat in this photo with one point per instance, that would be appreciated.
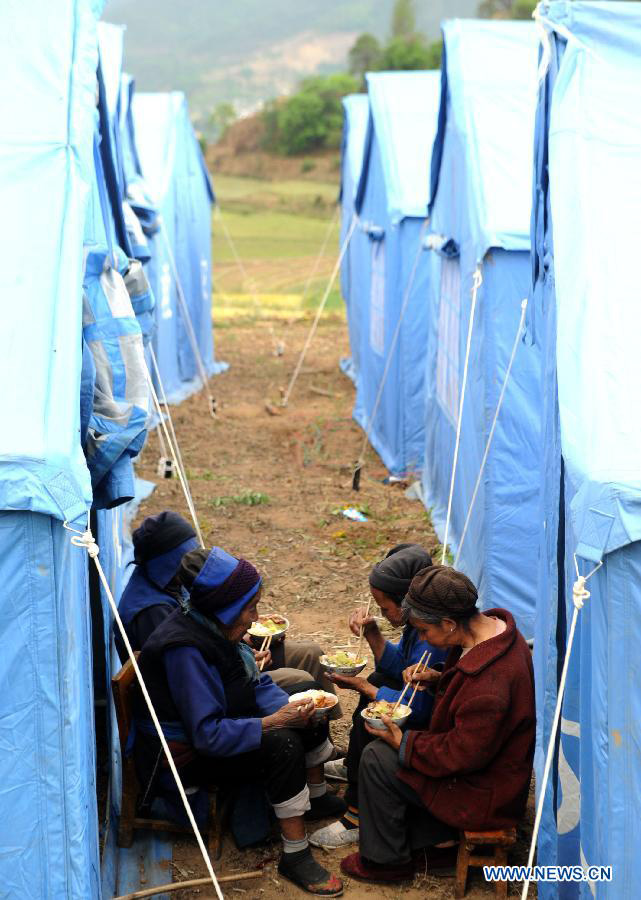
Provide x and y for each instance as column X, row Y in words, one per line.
column 471, row 769
column 389, row 581
column 225, row 721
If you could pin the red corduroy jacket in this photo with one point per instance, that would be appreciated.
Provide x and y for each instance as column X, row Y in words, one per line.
column 472, row 768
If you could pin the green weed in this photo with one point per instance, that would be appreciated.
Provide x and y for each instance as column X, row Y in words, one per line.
column 247, row 498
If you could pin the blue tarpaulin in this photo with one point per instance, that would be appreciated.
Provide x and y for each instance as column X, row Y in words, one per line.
column 480, row 213
column 587, row 320
column 392, row 202
column 356, row 117
column 178, row 183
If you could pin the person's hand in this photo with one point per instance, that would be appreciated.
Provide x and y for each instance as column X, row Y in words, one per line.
column 354, row 683
column 420, row 679
column 292, row 715
column 392, row 735
column 260, row 655
column 360, row 618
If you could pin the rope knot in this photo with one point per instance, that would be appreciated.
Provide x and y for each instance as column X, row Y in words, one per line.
column 87, row 541
column 579, row 592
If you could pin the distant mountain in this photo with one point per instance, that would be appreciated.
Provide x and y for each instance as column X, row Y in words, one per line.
column 247, row 51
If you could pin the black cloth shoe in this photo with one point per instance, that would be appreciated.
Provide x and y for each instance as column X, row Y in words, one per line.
column 327, row 806
column 302, row 869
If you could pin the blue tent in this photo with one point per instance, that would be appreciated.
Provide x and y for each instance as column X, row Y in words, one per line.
column 356, row 117
column 178, row 182
column 48, row 824
column 480, row 211
column 391, row 203
column 587, row 320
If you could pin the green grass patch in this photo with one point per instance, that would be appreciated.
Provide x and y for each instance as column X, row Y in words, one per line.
column 246, row 498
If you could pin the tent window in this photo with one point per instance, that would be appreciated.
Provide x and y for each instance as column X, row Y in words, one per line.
column 447, row 360
column 377, row 299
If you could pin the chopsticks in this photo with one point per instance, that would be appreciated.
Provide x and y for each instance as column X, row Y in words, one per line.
column 264, row 646
column 360, row 643
column 418, row 669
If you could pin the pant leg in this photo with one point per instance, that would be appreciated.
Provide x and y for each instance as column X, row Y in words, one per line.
column 288, row 678
column 306, row 655
column 359, row 738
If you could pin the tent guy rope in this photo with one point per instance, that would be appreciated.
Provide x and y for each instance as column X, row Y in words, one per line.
column 579, row 596
column 388, row 362
column 319, row 311
column 86, row 540
column 508, row 371
column 477, row 281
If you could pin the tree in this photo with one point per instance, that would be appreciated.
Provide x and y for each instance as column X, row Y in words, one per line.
column 403, row 19
column 313, row 117
column 364, row 55
column 411, row 53
column 221, row 118
column 507, row 9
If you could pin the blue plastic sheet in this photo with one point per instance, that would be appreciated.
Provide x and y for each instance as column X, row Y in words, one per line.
column 392, row 201
column 586, row 319
column 480, row 214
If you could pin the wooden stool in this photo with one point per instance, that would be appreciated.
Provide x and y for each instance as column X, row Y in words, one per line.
column 121, row 686
column 499, row 840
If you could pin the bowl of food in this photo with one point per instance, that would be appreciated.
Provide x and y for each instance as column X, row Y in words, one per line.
column 323, row 701
column 276, row 626
column 342, row 663
column 374, row 712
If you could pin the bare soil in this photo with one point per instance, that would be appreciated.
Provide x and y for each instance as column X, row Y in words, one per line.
column 296, row 464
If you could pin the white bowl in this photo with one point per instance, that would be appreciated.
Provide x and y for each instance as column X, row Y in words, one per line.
column 354, row 669
column 324, row 711
column 379, row 725
column 257, row 639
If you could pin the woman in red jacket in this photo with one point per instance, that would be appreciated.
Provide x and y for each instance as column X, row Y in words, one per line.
column 471, row 769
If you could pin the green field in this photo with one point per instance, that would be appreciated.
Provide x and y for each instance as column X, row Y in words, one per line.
column 277, row 230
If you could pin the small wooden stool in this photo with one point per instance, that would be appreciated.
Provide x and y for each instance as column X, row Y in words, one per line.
column 499, row 840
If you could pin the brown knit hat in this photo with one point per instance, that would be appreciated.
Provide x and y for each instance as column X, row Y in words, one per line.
column 442, row 592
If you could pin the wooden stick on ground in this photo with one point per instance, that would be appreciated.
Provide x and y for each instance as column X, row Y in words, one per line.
column 409, row 702
column 400, row 699
column 360, row 643
column 181, row 885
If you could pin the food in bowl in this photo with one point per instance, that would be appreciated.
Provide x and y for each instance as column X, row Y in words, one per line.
column 323, row 701
column 374, row 712
column 343, row 663
column 268, row 626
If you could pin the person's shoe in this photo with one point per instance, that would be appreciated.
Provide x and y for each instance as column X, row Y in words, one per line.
column 335, row 835
column 336, row 770
column 356, row 866
column 302, row 869
column 327, row 806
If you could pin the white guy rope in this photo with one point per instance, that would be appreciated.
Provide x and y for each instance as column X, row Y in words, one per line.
column 189, row 327
column 181, row 475
column 165, row 403
column 86, row 540
column 321, row 253
column 477, row 281
column 508, row 371
column 395, row 337
column 579, row 596
column 319, row 311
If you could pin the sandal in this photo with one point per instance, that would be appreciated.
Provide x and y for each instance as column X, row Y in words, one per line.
column 302, row 869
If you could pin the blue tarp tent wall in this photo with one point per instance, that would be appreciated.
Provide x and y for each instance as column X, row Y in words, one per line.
column 392, row 201
column 480, row 215
column 356, row 117
column 587, row 319
column 178, row 182
column 48, row 826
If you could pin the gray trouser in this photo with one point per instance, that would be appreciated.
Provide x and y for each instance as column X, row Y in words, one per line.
column 393, row 820
column 295, row 661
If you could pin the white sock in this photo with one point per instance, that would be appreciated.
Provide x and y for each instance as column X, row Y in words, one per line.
column 317, row 790
column 294, row 846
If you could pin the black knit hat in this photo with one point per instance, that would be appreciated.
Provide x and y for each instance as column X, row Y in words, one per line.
column 442, row 592
column 159, row 534
column 393, row 575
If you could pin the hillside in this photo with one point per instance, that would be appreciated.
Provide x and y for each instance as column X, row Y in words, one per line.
column 250, row 50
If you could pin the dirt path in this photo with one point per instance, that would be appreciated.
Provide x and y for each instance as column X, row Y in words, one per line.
column 295, row 467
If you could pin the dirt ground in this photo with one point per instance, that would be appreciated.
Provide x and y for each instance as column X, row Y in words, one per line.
column 271, row 487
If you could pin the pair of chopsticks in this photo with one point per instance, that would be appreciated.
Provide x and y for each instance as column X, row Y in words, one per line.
column 264, row 646
column 360, row 643
column 418, row 669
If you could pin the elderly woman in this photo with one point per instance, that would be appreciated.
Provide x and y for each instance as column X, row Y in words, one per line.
column 227, row 722
column 471, row 769
column 389, row 581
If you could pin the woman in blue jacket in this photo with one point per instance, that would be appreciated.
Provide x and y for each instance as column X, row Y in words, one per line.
column 225, row 721
column 389, row 581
